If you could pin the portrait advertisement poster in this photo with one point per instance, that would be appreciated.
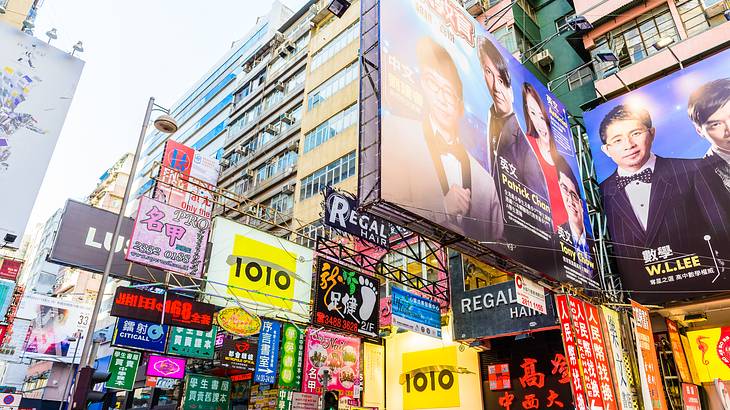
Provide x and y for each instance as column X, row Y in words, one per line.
column 473, row 142
column 139, row 334
column 37, row 85
column 415, row 313
column 334, row 352
column 54, row 324
column 661, row 156
column 169, row 238
column 346, row 300
column 258, row 271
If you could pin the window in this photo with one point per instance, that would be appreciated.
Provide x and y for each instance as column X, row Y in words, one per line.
column 314, row 230
column 334, row 46
column 282, row 202
column 527, row 7
column 693, row 16
column 580, row 77
column 562, row 21
column 330, row 128
column 333, row 85
column 275, row 166
column 332, row 174
column 512, row 39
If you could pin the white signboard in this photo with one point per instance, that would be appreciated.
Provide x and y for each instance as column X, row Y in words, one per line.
column 12, row 350
column 37, row 84
column 530, row 294
column 9, row 400
column 304, row 401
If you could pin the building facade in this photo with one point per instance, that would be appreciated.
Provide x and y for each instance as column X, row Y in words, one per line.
column 15, row 12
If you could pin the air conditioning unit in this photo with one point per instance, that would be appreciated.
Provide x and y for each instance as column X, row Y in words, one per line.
column 288, row 188
column 283, row 52
column 290, row 169
column 279, row 37
column 242, row 150
column 287, row 119
column 543, row 59
column 249, row 173
column 279, row 86
column 715, row 10
column 225, row 162
column 293, row 146
column 289, row 46
column 248, row 67
column 474, row 7
column 271, row 129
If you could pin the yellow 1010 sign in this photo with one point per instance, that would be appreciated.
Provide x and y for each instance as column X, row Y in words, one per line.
column 428, row 385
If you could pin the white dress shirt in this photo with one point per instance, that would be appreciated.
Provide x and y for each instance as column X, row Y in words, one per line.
column 720, row 153
column 639, row 192
column 452, row 166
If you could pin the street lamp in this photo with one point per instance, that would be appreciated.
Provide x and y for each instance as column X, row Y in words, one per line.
column 665, row 42
column 72, row 373
column 52, row 34
column 164, row 123
column 578, row 23
column 78, row 47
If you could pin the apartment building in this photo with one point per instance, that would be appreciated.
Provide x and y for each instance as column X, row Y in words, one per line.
column 15, row 12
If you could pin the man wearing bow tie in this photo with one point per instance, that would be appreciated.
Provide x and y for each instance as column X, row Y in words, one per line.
column 651, row 201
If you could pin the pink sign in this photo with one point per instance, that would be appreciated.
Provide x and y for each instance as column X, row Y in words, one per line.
column 163, row 366
column 336, row 353
column 168, row 238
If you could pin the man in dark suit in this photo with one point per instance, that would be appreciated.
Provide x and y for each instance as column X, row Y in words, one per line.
column 709, row 110
column 656, row 204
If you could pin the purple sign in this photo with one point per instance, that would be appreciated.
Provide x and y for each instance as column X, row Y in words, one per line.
column 169, row 238
column 165, row 366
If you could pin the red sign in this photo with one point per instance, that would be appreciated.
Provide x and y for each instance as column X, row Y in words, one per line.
column 599, row 355
column 690, row 397
column 241, row 377
column 179, row 310
column 570, row 348
column 585, row 352
column 651, row 381
column 499, row 378
column 3, row 332
column 678, row 352
column 9, row 268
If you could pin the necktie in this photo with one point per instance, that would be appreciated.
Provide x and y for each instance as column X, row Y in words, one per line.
column 643, row 176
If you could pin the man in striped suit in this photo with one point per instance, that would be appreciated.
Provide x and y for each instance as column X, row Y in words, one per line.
column 660, row 206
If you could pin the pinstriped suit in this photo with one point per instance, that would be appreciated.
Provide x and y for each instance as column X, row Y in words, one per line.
column 687, row 202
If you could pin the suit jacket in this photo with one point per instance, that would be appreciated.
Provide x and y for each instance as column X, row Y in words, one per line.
column 720, row 167
column 579, row 270
column 410, row 178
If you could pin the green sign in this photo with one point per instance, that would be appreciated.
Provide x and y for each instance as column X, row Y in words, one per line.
column 292, row 352
column 123, row 368
column 192, row 343
column 283, row 400
column 206, row 392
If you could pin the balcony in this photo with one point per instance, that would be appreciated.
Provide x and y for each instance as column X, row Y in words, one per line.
column 252, row 156
column 597, row 10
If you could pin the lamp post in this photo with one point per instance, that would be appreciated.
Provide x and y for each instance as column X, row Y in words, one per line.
column 72, row 373
column 164, row 123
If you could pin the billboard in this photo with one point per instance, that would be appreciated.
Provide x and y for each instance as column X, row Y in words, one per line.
column 267, row 356
column 37, row 85
column 259, row 271
column 168, row 238
column 415, row 313
column 141, row 335
column 661, row 155
column 178, row 310
column 166, row 366
column 53, row 324
column 10, row 268
column 710, row 352
column 473, row 143
column 336, row 353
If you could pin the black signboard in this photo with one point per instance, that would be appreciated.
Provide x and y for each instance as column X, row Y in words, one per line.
column 179, row 310
column 340, row 211
column 492, row 311
column 346, row 300
column 239, row 354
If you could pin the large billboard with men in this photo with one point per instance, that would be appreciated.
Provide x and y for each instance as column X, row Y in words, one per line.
column 473, row 143
column 662, row 156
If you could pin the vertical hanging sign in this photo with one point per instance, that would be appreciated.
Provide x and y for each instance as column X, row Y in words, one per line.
column 268, row 353
column 123, row 369
column 622, row 371
column 566, row 329
column 599, row 354
column 678, row 352
column 291, row 357
column 585, row 352
column 651, row 381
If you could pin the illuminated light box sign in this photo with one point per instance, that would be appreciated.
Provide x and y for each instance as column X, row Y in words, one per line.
column 166, row 366
column 239, row 354
column 416, row 313
column 179, row 310
column 139, row 334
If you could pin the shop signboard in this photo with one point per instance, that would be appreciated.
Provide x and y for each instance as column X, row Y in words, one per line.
column 530, row 294
column 244, row 258
column 572, row 363
column 415, row 313
column 304, row 401
column 710, row 353
column 291, row 357
column 585, row 352
column 141, row 335
column 600, row 355
column 346, row 300
column 339, row 354
column 268, row 352
column 3, row 333
column 192, row 343
column 123, row 368
column 206, row 393
column 239, row 354
column 190, row 162
column 690, row 397
column 6, row 296
column 480, row 146
column 284, row 398
column 678, row 352
column 184, row 192
column 651, row 380
column 373, row 392
column 237, row 321
column 166, row 366
column 618, row 354
column 168, row 238
column 664, row 251
column 37, row 85
column 491, row 311
column 425, row 387
column 10, row 268
column 179, row 310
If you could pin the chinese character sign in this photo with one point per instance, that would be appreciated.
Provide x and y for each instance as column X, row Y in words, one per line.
column 192, row 343
column 618, row 353
column 415, row 313
column 184, row 192
column 141, row 335
column 239, row 354
column 678, row 352
column 600, row 355
column 179, row 310
column 123, row 368
column 651, row 381
column 190, row 162
column 291, row 357
column 346, row 300
column 9, row 268
column 165, row 366
column 340, row 354
column 691, row 397
column 572, row 362
column 585, row 352
column 268, row 353
column 206, row 393
column 168, row 238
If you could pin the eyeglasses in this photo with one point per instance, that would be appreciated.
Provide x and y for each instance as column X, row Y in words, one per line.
column 633, row 135
column 569, row 192
column 446, row 90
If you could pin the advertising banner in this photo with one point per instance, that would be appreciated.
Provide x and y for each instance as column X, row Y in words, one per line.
column 190, row 162
column 691, row 397
column 651, row 381
column 239, row 354
column 598, row 345
column 661, row 158
column 426, row 387
column 415, row 313
column 678, row 352
column 179, row 310
column 304, row 401
column 37, row 85
column 337, row 353
column 54, row 323
column 192, row 343
column 123, row 368
column 206, row 393
column 291, row 357
column 346, row 300
column 530, row 294
column 482, row 311
column 166, row 366
column 283, row 400
column 10, row 268
column 710, row 351
column 169, row 238
column 373, row 385
column 619, row 354
column 7, row 288
column 585, row 352
column 572, row 363
column 259, row 270
column 84, row 238
column 15, row 341
column 474, row 142
column 141, row 335
column 268, row 353
column 237, row 321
